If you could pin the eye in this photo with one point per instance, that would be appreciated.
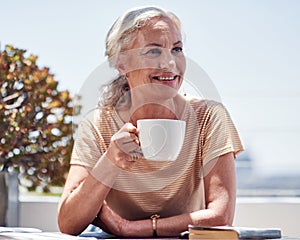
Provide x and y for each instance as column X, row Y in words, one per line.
column 153, row 52
column 177, row 50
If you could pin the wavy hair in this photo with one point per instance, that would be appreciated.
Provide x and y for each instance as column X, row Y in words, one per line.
column 122, row 33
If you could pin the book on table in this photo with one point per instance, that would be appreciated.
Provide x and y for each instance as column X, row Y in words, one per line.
column 229, row 232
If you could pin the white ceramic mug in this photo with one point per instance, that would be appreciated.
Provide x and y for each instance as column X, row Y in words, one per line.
column 161, row 139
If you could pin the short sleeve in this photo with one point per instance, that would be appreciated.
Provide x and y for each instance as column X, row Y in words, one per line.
column 220, row 135
column 88, row 144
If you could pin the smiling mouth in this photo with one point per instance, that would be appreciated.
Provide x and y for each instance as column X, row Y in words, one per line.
column 159, row 78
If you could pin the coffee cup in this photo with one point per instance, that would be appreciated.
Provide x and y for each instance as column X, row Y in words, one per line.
column 161, row 139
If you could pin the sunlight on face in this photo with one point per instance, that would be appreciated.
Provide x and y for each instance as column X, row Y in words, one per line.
column 156, row 56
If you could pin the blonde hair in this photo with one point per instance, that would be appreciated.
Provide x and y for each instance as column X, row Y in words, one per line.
column 120, row 35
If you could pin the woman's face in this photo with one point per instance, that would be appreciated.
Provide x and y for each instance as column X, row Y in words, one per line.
column 155, row 56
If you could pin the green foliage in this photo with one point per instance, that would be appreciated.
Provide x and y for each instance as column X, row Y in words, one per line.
column 35, row 121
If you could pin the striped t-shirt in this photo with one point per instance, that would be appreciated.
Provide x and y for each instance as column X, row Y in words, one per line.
column 167, row 188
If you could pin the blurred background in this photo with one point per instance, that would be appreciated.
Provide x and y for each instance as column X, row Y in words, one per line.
column 249, row 49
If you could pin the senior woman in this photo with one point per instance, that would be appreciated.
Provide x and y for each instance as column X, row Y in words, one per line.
column 110, row 184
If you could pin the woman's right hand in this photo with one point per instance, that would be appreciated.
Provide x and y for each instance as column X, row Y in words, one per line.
column 124, row 147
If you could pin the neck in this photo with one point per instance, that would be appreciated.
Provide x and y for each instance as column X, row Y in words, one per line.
column 142, row 108
column 153, row 111
column 163, row 109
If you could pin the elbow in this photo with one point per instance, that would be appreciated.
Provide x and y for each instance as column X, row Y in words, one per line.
column 223, row 220
column 66, row 229
column 222, row 216
column 64, row 225
column 71, row 223
column 212, row 218
column 70, row 226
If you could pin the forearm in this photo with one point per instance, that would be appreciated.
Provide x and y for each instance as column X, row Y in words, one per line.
column 80, row 206
column 220, row 207
column 173, row 226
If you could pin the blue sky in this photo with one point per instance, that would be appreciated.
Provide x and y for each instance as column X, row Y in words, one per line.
column 249, row 48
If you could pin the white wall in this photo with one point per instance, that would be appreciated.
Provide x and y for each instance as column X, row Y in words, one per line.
column 253, row 212
column 39, row 212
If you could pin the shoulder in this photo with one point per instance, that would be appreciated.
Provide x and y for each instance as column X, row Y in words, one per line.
column 96, row 117
column 97, row 114
column 205, row 106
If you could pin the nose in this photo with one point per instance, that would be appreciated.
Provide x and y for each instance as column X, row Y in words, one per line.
column 166, row 61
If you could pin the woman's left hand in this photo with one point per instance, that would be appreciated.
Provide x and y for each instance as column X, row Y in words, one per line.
column 111, row 222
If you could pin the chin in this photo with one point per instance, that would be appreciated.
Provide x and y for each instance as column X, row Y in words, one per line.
column 161, row 91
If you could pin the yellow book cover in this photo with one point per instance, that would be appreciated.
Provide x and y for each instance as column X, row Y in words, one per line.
column 229, row 232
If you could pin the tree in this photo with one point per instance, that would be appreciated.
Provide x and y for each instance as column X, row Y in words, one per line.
column 35, row 121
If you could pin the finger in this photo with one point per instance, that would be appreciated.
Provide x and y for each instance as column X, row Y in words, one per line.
column 120, row 135
column 124, row 137
column 128, row 147
column 129, row 127
column 135, row 157
column 132, row 158
column 133, row 138
column 127, row 141
column 138, row 152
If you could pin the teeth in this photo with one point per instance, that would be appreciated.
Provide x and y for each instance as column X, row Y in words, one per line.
column 166, row 78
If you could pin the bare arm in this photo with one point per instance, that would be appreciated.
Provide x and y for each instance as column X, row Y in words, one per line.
column 87, row 188
column 220, row 190
column 81, row 200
